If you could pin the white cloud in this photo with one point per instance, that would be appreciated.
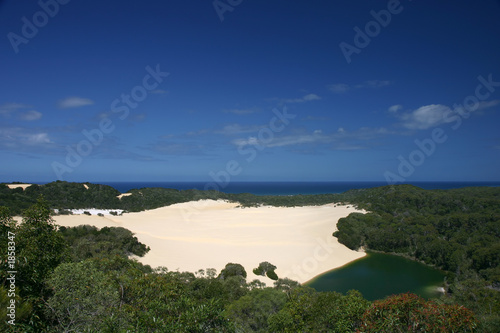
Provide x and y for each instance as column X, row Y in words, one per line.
column 38, row 138
column 311, row 97
column 432, row 115
column 395, row 108
column 31, row 115
column 9, row 108
column 74, row 102
column 306, row 98
column 21, row 138
column 426, row 116
column 486, row 104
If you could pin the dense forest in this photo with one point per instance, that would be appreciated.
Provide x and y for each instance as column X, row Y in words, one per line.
column 81, row 279
column 65, row 195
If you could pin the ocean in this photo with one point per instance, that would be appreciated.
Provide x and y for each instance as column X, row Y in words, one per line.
column 288, row 188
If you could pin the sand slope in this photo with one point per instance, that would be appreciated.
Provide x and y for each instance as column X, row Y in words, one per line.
column 23, row 186
column 209, row 234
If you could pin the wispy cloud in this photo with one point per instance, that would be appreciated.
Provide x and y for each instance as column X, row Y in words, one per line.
column 487, row 104
column 74, row 102
column 426, row 116
column 338, row 140
column 235, row 129
column 303, row 99
column 20, row 139
column 230, row 129
column 341, row 88
column 433, row 115
column 31, row 115
column 395, row 108
column 175, row 148
column 22, row 111
column 8, row 108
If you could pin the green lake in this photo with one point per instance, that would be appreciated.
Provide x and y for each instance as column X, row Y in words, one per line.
column 379, row 275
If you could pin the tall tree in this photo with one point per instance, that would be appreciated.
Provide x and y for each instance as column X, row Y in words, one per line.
column 39, row 248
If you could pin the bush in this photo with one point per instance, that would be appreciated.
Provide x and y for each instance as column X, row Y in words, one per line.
column 410, row 313
column 258, row 271
column 272, row 275
column 233, row 270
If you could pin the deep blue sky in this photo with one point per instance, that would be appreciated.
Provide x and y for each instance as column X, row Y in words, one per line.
column 353, row 120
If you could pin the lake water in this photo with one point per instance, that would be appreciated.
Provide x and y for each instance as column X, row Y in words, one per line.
column 379, row 275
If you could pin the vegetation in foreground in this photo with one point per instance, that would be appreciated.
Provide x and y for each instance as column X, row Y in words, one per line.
column 457, row 230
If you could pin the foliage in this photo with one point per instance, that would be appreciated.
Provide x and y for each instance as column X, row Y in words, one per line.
column 272, row 275
column 250, row 312
column 476, row 294
column 39, row 248
column 163, row 301
column 286, row 285
column 310, row 311
column 266, row 268
column 7, row 234
column 88, row 241
column 83, row 297
column 233, row 270
column 22, row 309
column 410, row 313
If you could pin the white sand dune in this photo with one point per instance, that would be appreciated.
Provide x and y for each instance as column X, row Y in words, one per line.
column 23, row 186
column 123, row 195
column 209, row 234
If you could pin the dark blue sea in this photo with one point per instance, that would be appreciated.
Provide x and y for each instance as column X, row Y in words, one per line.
column 288, row 188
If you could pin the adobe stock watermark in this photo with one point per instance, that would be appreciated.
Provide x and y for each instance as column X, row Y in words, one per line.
column 223, row 6
column 120, row 106
column 372, row 29
column 30, row 27
column 250, row 150
column 428, row 146
column 11, row 279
